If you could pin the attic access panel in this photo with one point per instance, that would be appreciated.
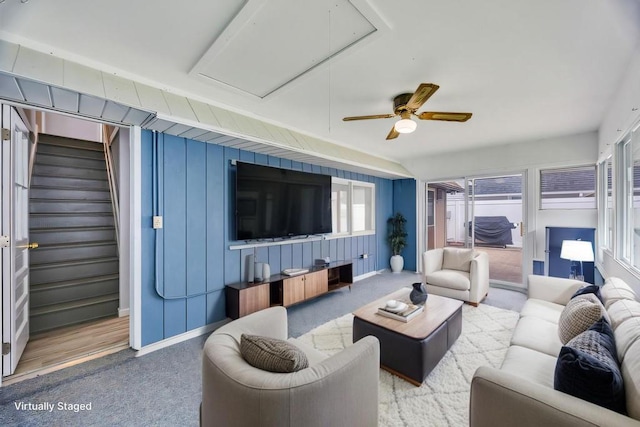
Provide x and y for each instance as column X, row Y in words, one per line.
column 271, row 43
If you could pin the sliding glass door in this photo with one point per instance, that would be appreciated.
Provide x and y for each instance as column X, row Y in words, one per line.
column 485, row 213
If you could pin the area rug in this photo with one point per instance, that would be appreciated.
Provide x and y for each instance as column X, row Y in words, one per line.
column 443, row 399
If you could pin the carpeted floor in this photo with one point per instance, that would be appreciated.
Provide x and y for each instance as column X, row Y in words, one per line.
column 163, row 388
column 443, row 399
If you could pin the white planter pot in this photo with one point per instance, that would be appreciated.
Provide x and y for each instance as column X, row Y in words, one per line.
column 397, row 263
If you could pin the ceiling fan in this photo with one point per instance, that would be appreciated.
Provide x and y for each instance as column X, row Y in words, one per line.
column 406, row 104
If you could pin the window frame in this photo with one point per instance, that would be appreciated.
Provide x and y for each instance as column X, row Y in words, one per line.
column 351, row 183
column 541, row 197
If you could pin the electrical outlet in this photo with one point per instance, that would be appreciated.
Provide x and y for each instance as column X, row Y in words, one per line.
column 364, row 256
column 157, row 222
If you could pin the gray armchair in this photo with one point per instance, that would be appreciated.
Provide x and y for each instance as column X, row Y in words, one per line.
column 340, row 390
column 458, row 273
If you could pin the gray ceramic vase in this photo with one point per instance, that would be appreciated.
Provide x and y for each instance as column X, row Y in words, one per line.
column 419, row 294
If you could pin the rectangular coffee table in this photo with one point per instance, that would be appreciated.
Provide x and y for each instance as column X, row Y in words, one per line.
column 411, row 350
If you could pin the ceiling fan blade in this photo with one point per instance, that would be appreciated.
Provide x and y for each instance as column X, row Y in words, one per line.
column 420, row 96
column 393, row 134
column 375, row 116
column 441, row 115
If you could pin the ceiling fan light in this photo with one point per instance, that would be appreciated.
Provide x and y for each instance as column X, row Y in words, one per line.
column 405, row 126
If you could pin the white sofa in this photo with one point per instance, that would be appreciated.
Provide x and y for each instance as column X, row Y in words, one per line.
column 334, row 390
column 458, row 273
column 521, row 392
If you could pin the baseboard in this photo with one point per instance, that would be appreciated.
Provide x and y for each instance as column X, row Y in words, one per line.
column 179, row 338
column 364, row 276
column 122, row 312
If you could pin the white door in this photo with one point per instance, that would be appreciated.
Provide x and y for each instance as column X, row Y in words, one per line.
column 15, row 234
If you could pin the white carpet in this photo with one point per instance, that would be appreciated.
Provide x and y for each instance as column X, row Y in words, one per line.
column 443, row 399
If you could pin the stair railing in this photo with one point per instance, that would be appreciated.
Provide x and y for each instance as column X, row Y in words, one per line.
column 107, row 139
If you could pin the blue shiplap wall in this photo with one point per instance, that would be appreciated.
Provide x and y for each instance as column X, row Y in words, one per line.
column 196, row 191
column 404, row 201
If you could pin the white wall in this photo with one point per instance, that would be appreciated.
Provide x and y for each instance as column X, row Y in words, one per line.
column 120, row 150
column 620, row 116
column 70, row 127
column 526, row 157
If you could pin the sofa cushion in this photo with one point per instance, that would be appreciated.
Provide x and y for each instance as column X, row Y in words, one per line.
column 542, row 309
column 589, row 289
column 453, row 279
column 457, row 259
column 631, row 374
column 313, row 356
column 271, row 354
column 587, row 369
column 537, row 334
column 627, row 334
column 578, row 315
column 622, row 310
column 615, row 289
column 530, row 364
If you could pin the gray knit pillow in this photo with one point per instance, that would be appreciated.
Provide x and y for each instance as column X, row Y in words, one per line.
column 271, row 354
column 578, row 315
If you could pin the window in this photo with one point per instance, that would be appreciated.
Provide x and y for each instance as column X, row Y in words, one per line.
column 631, row 199
column 607, row 186
column 568, row 188
column 340, row 208
column 352, row 207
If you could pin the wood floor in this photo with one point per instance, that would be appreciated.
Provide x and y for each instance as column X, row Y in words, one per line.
column 64, row 347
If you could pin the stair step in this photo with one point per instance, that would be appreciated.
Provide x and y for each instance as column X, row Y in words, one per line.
column 61, row 141
column 72, row 270
column 63, row 182
column 38, row 192
column 46, row 254
column 60, row 220
column 72, row 290
column 69, row 172
column 69, row 162
column 55, row 236
column 70, row 313
column 76, row 153
column 69, row 206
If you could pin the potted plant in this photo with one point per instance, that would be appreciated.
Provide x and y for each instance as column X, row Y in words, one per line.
column 398, row 240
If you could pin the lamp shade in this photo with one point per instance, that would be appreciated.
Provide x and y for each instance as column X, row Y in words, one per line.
column 576, row 250
column 406, row 126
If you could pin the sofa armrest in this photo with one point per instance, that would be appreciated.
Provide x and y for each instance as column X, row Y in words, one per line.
column 432, row 261
column 502, row 399
column 553, row 289
column 270, row 322
column 479, row 277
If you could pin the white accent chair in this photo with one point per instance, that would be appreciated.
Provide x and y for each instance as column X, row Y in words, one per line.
column 334, row 390
column 458, row 273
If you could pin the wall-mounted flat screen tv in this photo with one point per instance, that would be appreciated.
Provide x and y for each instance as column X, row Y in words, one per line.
column 274, row 203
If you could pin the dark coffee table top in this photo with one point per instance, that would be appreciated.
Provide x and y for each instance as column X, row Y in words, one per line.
column 437, row 309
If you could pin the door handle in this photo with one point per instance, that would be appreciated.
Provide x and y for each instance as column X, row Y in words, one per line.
column 33, row 245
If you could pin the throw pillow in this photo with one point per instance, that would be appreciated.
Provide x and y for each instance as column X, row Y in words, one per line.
column 578, row 315
column 587, row 369
column 271, row 354
column 589, row 289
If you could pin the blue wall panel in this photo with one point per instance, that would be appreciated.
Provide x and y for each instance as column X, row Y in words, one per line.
column 404, row 201
column 196, row 184
column 152, row 304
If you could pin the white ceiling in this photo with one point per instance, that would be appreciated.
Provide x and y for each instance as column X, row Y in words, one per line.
column 526, row 69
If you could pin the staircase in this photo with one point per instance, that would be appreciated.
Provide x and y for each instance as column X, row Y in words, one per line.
column 74, row 272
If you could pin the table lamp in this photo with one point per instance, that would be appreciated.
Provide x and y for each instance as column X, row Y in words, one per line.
column 576, row 250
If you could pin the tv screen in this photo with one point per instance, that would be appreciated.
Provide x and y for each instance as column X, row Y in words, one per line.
column 273, row 202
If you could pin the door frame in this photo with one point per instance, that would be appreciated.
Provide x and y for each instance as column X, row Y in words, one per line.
column 134, row 260
column 528, row 237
